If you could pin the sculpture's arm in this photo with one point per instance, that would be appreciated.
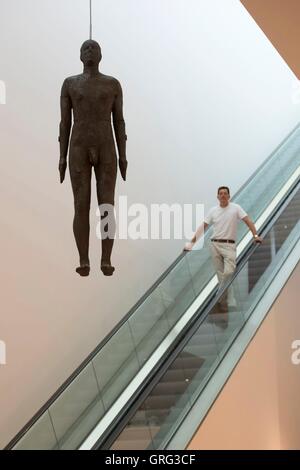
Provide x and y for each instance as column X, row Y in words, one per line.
column 64, row 128
column 119, row 128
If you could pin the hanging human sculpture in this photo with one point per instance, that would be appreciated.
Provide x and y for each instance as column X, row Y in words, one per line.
column 94, row 98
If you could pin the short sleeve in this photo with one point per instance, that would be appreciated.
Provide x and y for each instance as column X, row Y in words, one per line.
column 208, row 218
column 241, row 212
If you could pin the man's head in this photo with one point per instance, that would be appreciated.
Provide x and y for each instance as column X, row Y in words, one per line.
column 90, row 53
column 223, row 195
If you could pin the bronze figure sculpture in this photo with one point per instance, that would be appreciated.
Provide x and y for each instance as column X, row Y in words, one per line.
column 95, row 98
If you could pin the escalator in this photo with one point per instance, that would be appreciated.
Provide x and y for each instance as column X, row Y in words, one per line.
column 170, row 397
column 137, row 388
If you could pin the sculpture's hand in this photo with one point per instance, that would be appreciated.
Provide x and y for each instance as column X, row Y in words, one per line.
column 62, row 168
column 123, row 167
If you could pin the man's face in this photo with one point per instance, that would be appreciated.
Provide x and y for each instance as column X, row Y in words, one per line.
column 223, row 196
column 90, row 53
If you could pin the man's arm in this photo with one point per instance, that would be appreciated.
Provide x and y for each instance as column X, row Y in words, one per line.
column 251, row 226
column 119, row 128
column 199, row 232
column 64, row 129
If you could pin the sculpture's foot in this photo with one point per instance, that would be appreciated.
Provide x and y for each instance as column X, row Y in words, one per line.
column 107, row 269
column 83, row 270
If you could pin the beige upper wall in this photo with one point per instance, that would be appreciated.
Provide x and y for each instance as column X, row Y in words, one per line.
column 258, row 407
column 279, row 19
column 202, row 109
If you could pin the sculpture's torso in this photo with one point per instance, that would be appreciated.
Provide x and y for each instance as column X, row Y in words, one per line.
column 92, row 100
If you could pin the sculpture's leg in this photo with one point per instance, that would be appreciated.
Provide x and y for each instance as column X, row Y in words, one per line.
column 80, row 172
column 106, row 181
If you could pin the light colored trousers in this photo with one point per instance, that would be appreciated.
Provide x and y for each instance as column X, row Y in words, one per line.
column 224, row 260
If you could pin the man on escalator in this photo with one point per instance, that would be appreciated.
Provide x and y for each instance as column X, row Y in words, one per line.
column 224, row 218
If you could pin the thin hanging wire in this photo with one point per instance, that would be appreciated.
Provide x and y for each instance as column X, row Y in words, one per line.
column 90, row 19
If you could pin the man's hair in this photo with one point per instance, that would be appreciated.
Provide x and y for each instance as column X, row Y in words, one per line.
column 224, row 187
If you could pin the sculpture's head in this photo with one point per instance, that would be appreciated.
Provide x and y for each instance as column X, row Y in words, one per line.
column 90, row 53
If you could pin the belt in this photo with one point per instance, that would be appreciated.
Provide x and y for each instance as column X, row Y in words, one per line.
column 222, row 240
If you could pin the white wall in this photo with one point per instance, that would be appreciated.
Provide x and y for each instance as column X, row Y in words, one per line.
column 206, row 99
column 258, row 408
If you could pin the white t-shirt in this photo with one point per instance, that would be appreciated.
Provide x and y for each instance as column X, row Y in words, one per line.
column 225, row 220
